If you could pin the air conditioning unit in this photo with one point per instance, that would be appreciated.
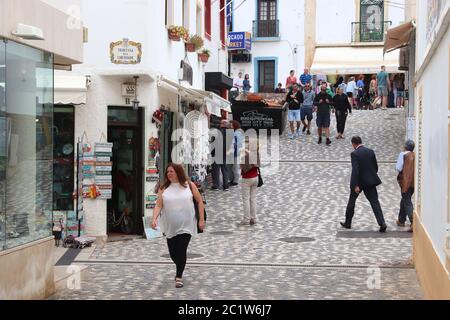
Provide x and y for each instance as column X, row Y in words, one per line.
column 241, row 57
column 404, row 59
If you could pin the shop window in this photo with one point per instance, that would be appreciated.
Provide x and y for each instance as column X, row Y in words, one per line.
column 63, row 162
column 3, row 154
column 27, row 159
column 169, row 5
column 186, row 14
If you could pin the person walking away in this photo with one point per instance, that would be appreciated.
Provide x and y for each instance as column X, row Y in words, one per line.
column 306, row 112
column 350, row 91
column 178, row 222
column 305, row 78
column 405, row 178
column 217, row 168
column 238, row 83
column 291, row 80
column 360, row 86
column 250, row 171
column 364, row 178
column 246, row 84
column 294, row 100
column 373, row 90
column 383, row 84
column 342, row 108
column 280, row 89
column 323, row 102
column 400, row 87
column 234, row 169
column 339, row 83
column 57, row 230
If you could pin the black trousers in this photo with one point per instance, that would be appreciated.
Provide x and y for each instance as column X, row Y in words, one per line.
column 216, row 168
column 178, row 251
column 371, row 195
column 341, row 118
column 406, row 206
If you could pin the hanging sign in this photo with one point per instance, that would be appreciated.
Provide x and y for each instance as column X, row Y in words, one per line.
column 239, row 41
column 125, row 52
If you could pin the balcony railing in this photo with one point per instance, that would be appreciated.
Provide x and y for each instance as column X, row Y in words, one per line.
column 369, row 32
column 266, row 28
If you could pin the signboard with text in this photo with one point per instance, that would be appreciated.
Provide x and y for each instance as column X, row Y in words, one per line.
column 125, row 52
column 239, row 41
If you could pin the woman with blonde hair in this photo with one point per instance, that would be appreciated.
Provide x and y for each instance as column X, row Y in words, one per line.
column 250, row 165
column 175, row 204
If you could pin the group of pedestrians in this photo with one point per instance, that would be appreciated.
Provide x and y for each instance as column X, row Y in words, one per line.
column 302, row 104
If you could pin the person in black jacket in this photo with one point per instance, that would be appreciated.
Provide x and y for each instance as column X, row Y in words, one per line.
column 364, row 178
column 323, row 102
column 342, row 108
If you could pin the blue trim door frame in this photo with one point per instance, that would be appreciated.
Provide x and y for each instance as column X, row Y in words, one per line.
column 256, row 71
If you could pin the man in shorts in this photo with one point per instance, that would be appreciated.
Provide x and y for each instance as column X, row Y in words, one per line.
column 306, row 112
column 383, row 86
column 294, row 100
column 323, row 102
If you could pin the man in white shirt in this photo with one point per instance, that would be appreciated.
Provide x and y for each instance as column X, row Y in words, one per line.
column 351, row 89
column 238, row 82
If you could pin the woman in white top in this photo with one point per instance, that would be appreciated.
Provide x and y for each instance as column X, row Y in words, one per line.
column 178, row 221
column 351, row 91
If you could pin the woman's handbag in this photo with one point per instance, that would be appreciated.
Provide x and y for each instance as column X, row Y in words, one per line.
column 260, row 179
column 197, row 211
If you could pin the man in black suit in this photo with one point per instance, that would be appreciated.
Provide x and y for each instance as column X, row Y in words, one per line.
column 364, row 178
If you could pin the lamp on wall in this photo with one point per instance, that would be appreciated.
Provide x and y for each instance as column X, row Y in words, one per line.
column 135, row 100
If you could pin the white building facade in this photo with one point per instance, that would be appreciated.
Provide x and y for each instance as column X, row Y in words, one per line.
column 278, row 44
column 107, row 114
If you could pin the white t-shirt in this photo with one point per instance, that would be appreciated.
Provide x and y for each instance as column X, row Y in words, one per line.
column 351, row 87
column 238, row 83
column 178, row 214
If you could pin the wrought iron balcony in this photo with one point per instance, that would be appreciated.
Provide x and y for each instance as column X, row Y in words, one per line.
column 369, row 32
column 266, row 28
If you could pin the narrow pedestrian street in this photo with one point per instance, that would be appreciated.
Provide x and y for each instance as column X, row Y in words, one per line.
column 297, row 250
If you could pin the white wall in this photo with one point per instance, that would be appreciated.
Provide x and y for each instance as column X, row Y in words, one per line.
column 435, row 145
column 291, row 17
column 334, row 19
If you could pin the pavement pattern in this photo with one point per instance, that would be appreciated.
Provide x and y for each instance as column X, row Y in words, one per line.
column 297, row 250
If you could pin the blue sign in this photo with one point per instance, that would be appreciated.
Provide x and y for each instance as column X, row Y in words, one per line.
column 239, row 41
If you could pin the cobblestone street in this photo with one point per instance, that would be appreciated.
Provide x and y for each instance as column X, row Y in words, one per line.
column 297, row 250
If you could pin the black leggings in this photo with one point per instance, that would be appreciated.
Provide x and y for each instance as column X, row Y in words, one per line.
column 178, row 251
column 341, row 118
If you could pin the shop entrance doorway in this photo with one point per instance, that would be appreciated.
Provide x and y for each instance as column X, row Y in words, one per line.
column 125, row 209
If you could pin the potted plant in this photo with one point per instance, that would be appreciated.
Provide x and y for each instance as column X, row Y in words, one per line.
column 204, row 55
column 176, row 33
column 194, row 43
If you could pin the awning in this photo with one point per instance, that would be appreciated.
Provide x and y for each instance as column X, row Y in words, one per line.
column 215, row 103
column 70, row 88
column 399, row 37
column 352, row 60
column 182, row 90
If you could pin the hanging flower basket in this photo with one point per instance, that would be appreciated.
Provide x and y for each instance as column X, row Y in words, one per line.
column 174, row 36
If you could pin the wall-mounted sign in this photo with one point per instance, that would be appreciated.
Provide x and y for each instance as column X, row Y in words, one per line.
column 239, row 41
column 125, row 52
column 128, row 90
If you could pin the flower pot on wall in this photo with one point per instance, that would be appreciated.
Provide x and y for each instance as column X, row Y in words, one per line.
column 190, row 47
column 203, row 57
column 174, row 36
